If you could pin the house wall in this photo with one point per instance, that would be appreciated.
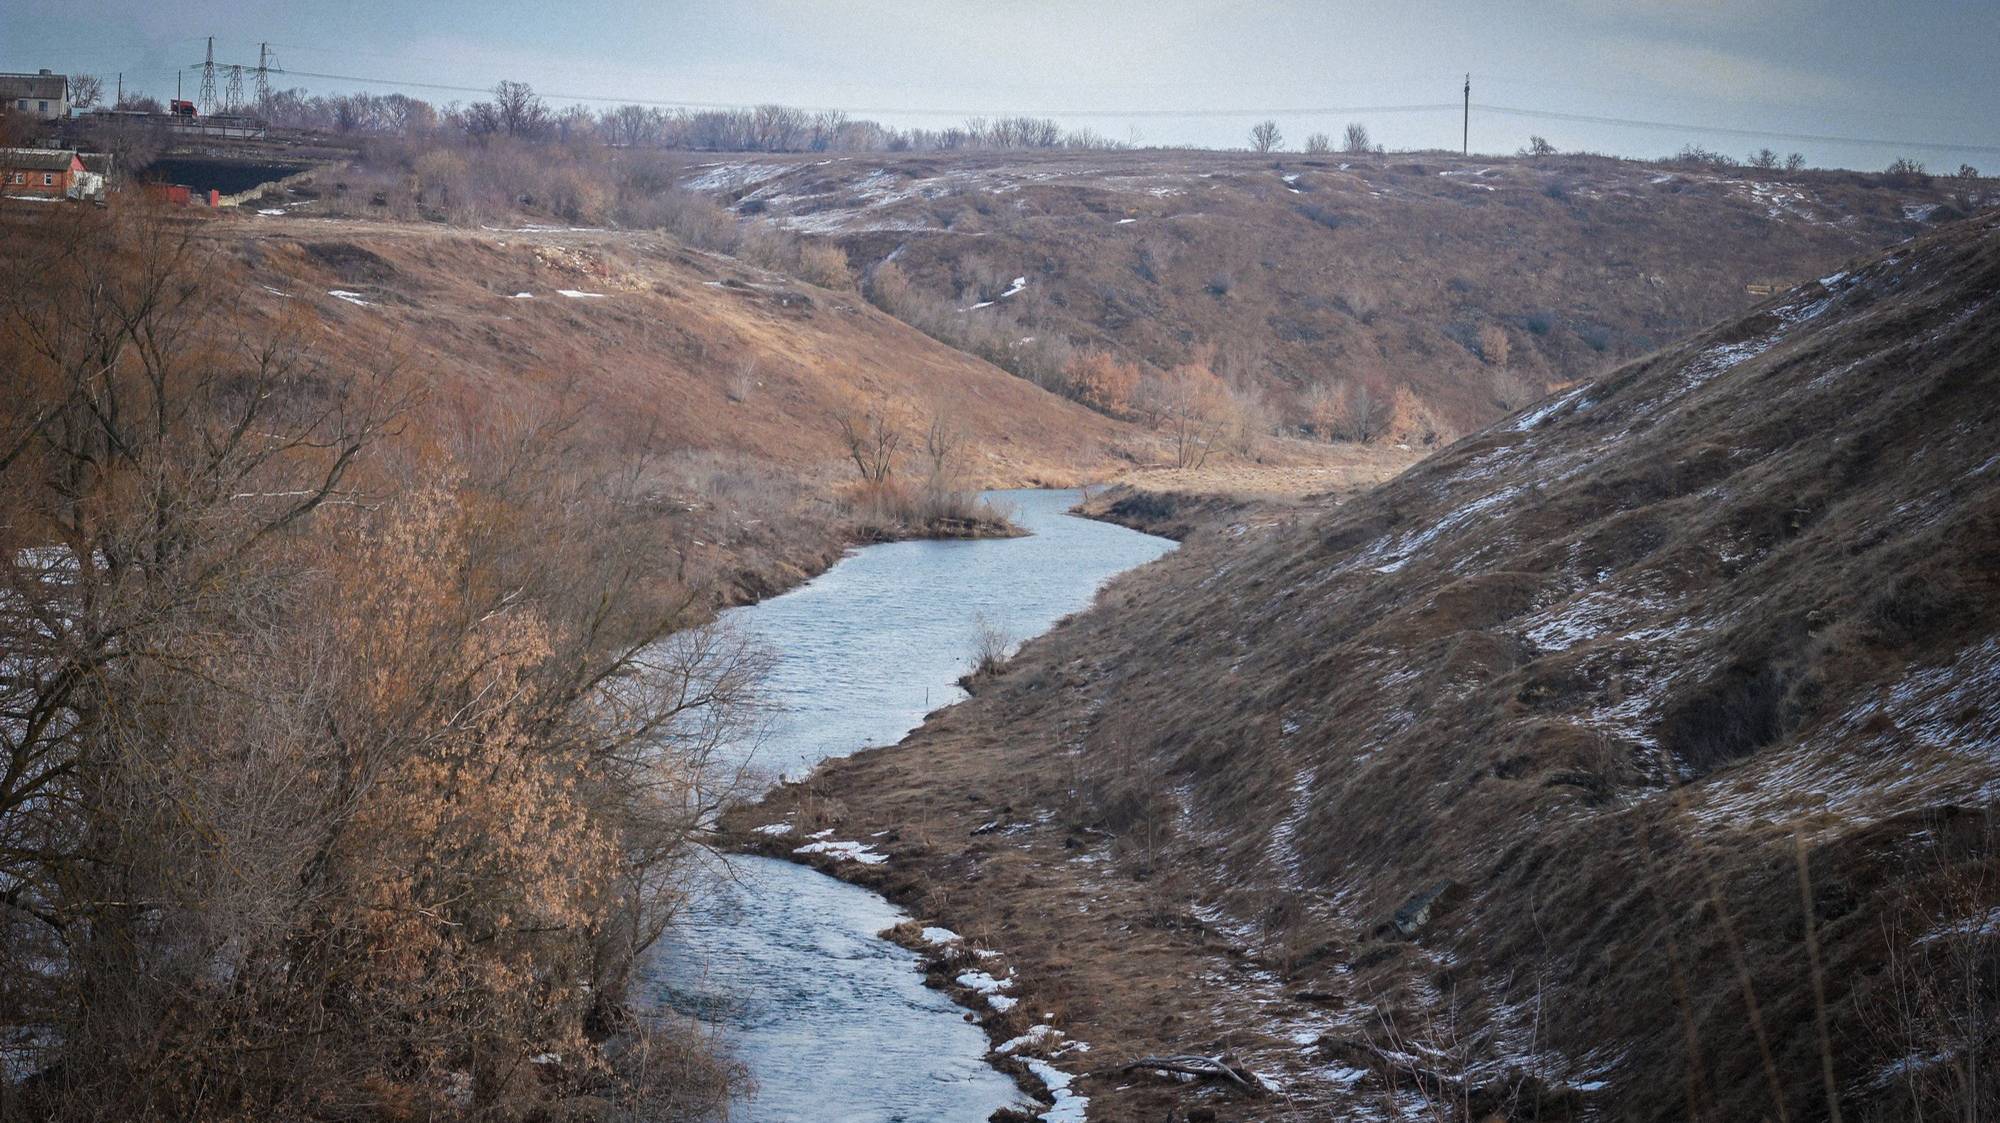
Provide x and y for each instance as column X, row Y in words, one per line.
column 22, row 181
column 45, row 109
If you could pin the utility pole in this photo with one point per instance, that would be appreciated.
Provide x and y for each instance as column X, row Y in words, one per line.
column 1465, row 141
column 121, row 91
column 233, row 99
column 208, row 80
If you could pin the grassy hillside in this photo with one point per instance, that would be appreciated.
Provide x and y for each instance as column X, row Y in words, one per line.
column 711, row 354
column 1636, row 756
column 1452, row 290
column 724, row 384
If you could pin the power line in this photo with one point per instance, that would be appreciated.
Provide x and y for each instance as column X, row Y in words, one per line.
column 1297, row 111
column 1754, row 134
column 895, row 110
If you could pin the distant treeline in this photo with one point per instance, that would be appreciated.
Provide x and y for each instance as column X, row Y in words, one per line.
column 515, row 110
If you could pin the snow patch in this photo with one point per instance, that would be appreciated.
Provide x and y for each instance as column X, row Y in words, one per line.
column 1069, row 1107
column 1544, row 411
column 844, row 852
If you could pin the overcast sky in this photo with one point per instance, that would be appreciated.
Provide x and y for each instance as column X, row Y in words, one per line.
column 1139, row 70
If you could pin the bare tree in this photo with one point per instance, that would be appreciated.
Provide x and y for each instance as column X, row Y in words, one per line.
column 277, row 745
column 1538, row 147
column 1366, row 413
column 944, row 447
column 1764, row 158
column 85, row 90
column 518, row 111
column 871, row 441
column 1355, row 139
column 1264, row 136
column 1319, row 144
column 1795, row 161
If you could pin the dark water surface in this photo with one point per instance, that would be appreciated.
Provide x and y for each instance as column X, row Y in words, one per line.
column 834, row 1023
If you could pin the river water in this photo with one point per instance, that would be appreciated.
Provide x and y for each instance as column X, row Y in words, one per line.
column 834, row 1023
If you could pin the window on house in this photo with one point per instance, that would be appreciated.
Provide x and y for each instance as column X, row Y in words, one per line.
column 45, row 107
column 48, row 179
column 21, row 103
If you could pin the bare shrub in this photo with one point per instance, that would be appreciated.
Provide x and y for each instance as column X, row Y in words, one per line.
column 1265, row 136
column 1354, row 140
column 991, row 646
column 1319, row 144
column 824, row 264
column 1192, row 406
column 1103, row 382
column 743, row 382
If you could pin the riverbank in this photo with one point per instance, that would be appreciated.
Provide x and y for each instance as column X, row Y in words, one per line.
column 981, row 825
column 1176, row 502
column 863, row 654
column 985, row 831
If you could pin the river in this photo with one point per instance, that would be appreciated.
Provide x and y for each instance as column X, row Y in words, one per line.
column 835, row 1023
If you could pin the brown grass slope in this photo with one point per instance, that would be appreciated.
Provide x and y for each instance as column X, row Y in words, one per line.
column 1458, row 288
column 1502, row 787
column 704, row 352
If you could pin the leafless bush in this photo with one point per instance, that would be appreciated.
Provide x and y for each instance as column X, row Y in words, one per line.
column 1264, row 136
column 743, row 382
column 1355, row 139
column 1319, row 144
column 871, row 440
column 991, row 646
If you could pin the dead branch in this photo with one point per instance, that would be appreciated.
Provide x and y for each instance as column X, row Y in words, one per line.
column 1201, row 1068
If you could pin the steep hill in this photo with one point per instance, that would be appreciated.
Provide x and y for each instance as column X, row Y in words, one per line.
column 1455, row 289
column 726, row 383
column 1634, row 758
column 706, row 352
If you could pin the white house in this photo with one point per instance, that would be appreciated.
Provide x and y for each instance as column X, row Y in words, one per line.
column 44, row 96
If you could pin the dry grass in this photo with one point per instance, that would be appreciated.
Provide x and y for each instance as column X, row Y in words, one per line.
column 666, row 346
column 1450, row 290
column 1609, row 681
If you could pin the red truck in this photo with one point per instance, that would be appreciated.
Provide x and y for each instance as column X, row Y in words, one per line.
column 179, row 108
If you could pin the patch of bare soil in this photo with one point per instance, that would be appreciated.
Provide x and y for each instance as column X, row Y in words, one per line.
column 1636, row 757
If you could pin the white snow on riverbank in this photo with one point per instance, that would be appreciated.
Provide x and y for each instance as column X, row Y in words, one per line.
column 841, row 850
column 1069, row 1107
column 991, row 988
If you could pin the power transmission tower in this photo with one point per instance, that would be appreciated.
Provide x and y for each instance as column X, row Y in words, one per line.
column 1465, row 142
column 232, row 98
column 208, row 80
column 266, row 62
